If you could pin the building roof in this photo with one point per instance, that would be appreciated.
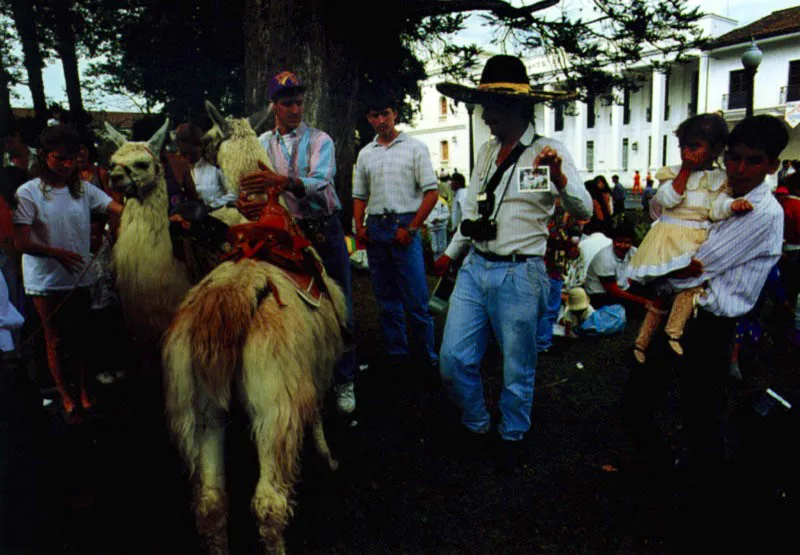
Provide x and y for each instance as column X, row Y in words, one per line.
column 123, row 120
column 780, row 22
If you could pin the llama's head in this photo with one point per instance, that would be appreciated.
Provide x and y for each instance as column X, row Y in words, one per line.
column 135, row 167
column 232, row 144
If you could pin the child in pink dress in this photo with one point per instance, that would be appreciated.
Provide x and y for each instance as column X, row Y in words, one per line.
column 692, row 196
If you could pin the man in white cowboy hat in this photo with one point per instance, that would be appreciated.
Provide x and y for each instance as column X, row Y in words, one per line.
column 502, row 284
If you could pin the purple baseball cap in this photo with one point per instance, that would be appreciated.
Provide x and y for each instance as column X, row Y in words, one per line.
column 284, row 81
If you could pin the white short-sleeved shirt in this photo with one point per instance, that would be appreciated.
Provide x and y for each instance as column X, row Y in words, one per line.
column 605, row 264
column 458, row 208
column 58, row 220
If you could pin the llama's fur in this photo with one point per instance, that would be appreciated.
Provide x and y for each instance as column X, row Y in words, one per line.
column 150, row 280
column 238, row 154
column 245, row 326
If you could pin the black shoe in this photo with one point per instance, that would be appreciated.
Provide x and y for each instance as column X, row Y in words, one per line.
column 509, row 456
column 463, row 442
column 430, row 376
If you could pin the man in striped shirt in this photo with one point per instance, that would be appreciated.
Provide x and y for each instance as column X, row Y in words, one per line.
column 304, row 162
column 396, row 187
column 732, row 265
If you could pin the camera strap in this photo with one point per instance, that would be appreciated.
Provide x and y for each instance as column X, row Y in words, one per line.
column 487, row 194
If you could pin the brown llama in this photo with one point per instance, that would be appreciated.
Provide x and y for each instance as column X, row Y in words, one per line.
column 245, row 326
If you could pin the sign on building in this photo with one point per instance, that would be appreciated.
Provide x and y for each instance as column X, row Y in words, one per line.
column 792, row 115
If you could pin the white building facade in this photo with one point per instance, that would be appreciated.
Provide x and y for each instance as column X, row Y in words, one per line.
column 637, row 133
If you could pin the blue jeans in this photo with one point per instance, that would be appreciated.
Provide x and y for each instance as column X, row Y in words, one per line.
column 398, row 278
column 544, row 330
column 333, row 253
column 506, row 297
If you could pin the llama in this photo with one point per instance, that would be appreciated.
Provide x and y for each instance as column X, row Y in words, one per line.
column 244, row 326
column 150, row 280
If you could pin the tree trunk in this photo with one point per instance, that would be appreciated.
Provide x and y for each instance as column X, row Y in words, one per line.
column 65, row 45
column 308, row 38
column 26, row 28
column 6, row 116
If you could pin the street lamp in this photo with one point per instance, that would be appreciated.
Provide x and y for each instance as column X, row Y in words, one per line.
column 750, row 60
column 470, row 109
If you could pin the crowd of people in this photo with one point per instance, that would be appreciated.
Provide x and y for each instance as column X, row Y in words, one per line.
column 532, row 263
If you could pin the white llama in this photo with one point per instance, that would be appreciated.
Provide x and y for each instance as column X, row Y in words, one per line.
column 244, row 326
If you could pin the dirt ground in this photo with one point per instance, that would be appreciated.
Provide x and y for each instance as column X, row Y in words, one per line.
column 115, row 486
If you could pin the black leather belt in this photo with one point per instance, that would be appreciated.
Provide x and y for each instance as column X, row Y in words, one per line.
column 505, row 257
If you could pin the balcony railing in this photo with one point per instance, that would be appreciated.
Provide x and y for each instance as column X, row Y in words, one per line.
column 734, row 101
column 790, row 93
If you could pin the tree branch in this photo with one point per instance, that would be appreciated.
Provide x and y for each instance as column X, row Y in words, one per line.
column 426, row 8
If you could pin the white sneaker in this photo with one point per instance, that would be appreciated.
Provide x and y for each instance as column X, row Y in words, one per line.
column 345, row 397
column 106, row 378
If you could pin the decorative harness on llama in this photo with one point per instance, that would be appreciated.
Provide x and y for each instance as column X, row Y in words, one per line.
column 276, row 238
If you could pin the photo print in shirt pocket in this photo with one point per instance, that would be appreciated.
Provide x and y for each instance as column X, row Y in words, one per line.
column 533, row 180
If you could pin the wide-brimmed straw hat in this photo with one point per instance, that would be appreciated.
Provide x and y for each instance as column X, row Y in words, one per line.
column 503, row 77
column 577, row 299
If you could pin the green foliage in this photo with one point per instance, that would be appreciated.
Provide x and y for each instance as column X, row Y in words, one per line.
column 9, row 61
column 394, row 55
column 175, row 54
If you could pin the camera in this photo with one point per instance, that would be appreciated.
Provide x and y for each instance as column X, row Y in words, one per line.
column 483, row 229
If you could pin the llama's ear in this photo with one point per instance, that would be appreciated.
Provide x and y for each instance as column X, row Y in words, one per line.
column 218, row 120
column 114, row 136
column 156, row 142
column 258, row 121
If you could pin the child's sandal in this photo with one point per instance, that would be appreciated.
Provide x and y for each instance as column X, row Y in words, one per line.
column 676, row 346
column 639, row 355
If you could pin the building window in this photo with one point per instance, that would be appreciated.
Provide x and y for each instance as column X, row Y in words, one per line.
column 589, row 156
column 443, row 108
column 624, row 155
column 666, row 96
column 445, row 151
column 649, row 151
column 737, row 90
column 626, row 106
column 590, row 113
column 793, row 85
column 664, row 151
column 559, row 110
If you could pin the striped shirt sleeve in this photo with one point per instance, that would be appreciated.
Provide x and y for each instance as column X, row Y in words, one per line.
column 321, row 165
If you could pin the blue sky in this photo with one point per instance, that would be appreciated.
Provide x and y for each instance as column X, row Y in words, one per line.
column 744, row 11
